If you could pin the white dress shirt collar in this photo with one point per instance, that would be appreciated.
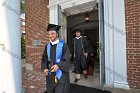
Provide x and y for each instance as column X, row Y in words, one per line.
column 55, row 42
column 78, row 37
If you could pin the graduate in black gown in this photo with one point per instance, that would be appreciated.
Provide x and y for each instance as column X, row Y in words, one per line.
column 80, row 45
column 56, row 62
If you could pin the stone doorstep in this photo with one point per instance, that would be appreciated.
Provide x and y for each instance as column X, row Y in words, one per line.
column 120, row 90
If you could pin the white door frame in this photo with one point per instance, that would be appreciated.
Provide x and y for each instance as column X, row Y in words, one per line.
column 115, row 39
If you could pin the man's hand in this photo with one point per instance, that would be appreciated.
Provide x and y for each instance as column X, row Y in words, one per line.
column 54, row 68
column 91, row 54
column 86, row 54
column 46, row 71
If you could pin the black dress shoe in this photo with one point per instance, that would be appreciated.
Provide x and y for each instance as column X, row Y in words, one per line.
column 85, row 75
column 76, row 80
column 46, row 91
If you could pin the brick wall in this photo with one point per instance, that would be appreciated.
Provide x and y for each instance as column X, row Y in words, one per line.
column 36, row 24
column 132, row 11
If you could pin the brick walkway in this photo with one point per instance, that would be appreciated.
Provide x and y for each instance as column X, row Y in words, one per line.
column 33, row 82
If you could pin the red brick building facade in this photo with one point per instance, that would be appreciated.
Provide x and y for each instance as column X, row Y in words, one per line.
column 36, row 24
column 132, row 12
column 37, row 17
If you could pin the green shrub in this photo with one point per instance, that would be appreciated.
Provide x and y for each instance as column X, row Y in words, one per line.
column 23, row 49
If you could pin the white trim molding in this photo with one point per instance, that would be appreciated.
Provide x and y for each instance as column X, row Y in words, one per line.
column 67, row 3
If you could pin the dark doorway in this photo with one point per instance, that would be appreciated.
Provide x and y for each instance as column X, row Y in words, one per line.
column 90, row 29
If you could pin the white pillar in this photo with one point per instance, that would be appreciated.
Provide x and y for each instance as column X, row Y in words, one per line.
column 10, row 47
column 115, row 43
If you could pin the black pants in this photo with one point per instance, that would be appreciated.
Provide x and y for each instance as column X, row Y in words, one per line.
column 80, row 64
column 62, row 86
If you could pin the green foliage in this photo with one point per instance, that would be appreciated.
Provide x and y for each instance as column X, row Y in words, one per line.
column 23, row 49
column 22, row 6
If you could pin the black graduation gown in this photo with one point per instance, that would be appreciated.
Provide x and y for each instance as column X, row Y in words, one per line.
column 62, row 86
column 80, row 47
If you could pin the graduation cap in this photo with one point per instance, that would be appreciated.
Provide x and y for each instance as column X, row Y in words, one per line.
column 53, row 27
column 77, row 30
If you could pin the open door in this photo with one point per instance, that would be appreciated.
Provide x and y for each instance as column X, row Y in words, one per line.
column 62, row 21
column 101, row 45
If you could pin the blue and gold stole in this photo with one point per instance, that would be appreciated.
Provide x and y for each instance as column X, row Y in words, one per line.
column 59, row 48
